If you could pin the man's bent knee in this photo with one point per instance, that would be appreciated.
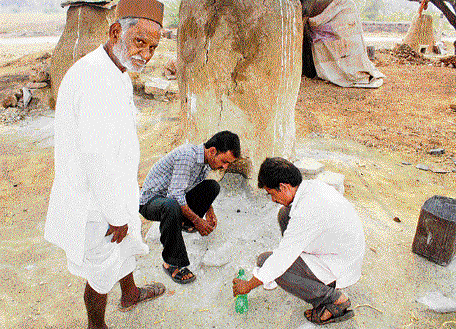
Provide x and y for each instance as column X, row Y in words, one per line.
column 262, row 258
column 213, row 185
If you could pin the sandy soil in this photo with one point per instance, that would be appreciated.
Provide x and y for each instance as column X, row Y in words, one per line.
column 363, row 134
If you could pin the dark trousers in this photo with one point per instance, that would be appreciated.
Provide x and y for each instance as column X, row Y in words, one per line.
column 169, row 213
column 299, row 280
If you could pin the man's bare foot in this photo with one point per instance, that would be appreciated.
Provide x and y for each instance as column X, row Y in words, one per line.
column 185, row 277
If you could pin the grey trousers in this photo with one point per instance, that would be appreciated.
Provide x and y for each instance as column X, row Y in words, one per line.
column 299, row 280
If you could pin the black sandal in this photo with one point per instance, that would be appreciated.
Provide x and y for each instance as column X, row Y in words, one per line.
column 179, row 277
column 339, row 313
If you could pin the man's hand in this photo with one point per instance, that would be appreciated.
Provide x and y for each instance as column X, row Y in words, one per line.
column 203, row 226
column 118, row 232
column 240, row 287
column 211, row 218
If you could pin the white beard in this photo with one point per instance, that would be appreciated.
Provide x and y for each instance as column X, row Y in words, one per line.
column 120, row 51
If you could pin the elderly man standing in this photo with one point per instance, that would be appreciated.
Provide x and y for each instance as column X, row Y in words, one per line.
column 322, row 245
column 93, row 207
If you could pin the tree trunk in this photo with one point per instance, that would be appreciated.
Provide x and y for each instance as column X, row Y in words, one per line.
column 239, row 69
column 86, row 28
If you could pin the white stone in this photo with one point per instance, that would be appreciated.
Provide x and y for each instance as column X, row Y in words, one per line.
column 422, row 167
column 26, row 96
column 173, row 87
column 336, row 180
column 437, row 302
column 309, row 167
column 218, row 257
column 156, row 86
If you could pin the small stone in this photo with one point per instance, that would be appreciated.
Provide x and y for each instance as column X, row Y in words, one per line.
column 437, row 302
column 396, row 219
column 166, row 33
column 27, row 96
column 37, row 85
column 239, row 210
column 11, row 115
column 171, row 67
column 422, row 167
column 309, row 167
column 173, row 87
column 9, row 101
column 18, row 93
column 439, row 171
column 335, row 180
column 437, row 151
column 313, row 134
column 44, row 57
column 156, row 86
column 40, row 74
column 170, row 76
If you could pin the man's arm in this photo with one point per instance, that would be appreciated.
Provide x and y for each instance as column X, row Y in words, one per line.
column 241, row 287
column 179, row 181
column 107, row 189
column 202, row 225
column 100, row 132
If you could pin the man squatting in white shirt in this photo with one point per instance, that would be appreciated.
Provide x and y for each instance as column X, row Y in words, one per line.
column 93, row 207
column 322, row 245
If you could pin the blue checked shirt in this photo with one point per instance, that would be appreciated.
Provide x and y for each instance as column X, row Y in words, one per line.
column 175, row 174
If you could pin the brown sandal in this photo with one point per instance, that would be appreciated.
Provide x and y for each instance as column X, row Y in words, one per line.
column 157, row 288
column 339, row 313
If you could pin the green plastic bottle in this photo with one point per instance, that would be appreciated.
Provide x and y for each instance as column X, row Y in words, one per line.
column 242, row 303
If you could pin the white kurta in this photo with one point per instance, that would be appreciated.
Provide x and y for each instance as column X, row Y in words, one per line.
column 96, row 157
column 325, row 231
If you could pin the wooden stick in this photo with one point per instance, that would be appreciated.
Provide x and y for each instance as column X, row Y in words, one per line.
column 367, row 305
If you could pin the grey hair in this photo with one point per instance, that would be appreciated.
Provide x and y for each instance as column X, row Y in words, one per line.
column 126, row 23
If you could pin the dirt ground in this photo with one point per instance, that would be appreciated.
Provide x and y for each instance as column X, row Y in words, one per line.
column 386, row 131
